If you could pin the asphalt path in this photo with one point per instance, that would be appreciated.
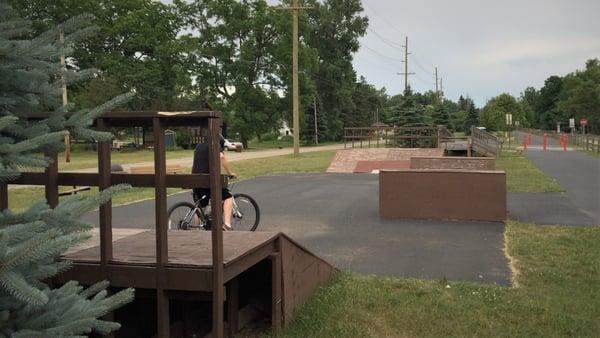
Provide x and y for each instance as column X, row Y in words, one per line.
column 578, row 173
column 336, row 216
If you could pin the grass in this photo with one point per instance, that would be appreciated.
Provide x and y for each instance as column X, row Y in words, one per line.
column 557, row 295
column 283, row 143
column 89, row 159
column 21, row 199
column 522, row 176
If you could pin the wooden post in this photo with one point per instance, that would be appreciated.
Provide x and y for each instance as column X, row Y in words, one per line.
column 217, row 226
column 162, row 248
column 276, row 293
column 3, row 196
column 233, row 306
column 52, row 180
column 105, row 213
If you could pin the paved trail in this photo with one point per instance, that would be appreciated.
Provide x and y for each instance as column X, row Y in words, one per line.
column 336, row 216
column 577, row 172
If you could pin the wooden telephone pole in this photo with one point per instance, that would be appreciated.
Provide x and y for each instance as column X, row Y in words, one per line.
column 295, row 90
column 406, row 73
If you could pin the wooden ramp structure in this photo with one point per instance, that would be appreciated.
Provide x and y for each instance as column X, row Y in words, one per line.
column 223, row 269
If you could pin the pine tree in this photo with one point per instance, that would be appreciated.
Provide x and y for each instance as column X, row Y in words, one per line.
column 440, row 115
column 31, row 241
column 407, row 114
column 472, row 115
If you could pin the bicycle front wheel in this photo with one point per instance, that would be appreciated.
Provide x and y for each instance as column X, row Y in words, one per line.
column 181, row 216
column 246, row 214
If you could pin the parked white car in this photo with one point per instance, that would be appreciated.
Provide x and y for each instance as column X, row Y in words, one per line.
column 232, row 145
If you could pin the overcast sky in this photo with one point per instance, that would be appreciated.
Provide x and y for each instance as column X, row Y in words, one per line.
column 481, row 47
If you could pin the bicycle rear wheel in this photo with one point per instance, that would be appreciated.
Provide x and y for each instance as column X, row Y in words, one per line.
column 180, row 216
column 246, row 213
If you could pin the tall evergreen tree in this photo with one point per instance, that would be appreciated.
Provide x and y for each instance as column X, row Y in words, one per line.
column 30, row 242
column 472, row 116
column 440, row 115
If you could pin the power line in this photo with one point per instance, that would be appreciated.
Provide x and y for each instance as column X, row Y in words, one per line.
column 385, row 40
column 378, row 53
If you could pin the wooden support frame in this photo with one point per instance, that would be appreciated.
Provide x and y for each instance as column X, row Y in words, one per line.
column 51, row 178
column 217, row 229
column 3, row 196
column 105, row 212
column 160, row 275
column 162, row 248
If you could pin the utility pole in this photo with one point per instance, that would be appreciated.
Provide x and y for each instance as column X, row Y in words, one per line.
column 406, row 73
column 64, row 91
column 437, row 92
column 441, row 88
column 316, row 128
column 295, row 91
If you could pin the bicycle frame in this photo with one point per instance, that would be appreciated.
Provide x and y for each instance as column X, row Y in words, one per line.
column 204, row 220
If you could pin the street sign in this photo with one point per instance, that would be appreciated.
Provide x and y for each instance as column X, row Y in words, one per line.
column 583, row 122
column 571, row 123
column 509, row 119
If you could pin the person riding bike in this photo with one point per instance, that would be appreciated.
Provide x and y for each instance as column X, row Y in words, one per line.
column 200, row 166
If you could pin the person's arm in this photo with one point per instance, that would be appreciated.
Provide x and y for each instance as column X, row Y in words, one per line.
column 225, row 165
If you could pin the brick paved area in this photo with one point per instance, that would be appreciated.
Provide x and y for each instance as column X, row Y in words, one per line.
column 345, row 160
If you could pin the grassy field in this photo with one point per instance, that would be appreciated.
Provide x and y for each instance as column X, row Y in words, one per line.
column 20, row 199
column 522, row 176
column 89, row 159
column 556, row 295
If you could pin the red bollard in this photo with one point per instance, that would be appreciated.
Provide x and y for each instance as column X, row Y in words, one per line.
column 525, row 143
column 565, row 141
column 545, row 141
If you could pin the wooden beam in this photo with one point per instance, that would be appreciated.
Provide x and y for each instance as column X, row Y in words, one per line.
column 233, row 306
column 3, row 196
column 217, row 229
column 105, row 212
column 184, row 181
column 276, row 287
column 51, row 181
column 162, row 249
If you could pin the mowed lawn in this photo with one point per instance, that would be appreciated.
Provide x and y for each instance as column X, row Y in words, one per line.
column 523, row 176
column 556, row 294
column 21, row 199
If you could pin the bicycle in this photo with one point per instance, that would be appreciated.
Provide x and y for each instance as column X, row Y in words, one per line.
column 187, row 216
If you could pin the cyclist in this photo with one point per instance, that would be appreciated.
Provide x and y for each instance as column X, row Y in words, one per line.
column 200, row 166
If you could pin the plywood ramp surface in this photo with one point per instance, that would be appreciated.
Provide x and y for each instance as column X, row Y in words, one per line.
column 187, row 248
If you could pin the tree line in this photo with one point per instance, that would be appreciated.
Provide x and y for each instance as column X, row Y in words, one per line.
column 234, row 56
column 575, row 95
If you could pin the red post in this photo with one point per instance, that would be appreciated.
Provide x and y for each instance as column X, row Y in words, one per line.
column 545, row 138
column 565, row 141
column 525, row 143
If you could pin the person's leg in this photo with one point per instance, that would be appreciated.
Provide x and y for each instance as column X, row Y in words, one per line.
column 227, row 210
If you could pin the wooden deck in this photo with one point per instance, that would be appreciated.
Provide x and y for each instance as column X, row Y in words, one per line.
column 189, row 267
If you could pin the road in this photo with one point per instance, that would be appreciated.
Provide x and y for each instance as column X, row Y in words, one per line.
column 578, row 173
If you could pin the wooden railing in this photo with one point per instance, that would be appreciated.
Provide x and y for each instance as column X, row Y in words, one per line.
column 397, row 137
column 484, row 142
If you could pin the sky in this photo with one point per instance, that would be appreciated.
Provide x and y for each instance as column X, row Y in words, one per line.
column 481, row 48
